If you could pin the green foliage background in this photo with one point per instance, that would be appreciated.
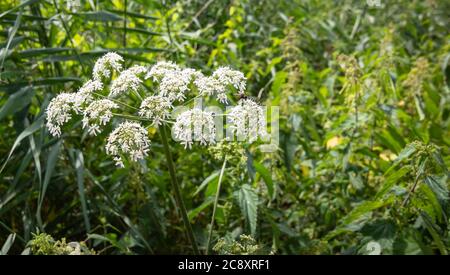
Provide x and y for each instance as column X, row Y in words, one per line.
column 364, row 126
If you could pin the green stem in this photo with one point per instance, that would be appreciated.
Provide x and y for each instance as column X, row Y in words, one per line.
column 176, row 188
column 208, row 244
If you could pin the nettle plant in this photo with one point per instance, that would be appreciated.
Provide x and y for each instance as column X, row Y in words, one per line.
column 160, row 89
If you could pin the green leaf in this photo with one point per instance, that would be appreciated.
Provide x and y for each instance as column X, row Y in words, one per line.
column 194, row 212
column 25, row 3
column 8, row 243
column 51, row 163
column 364, row 208
column 102, row 16
column 36, row 125
column 266, row 175
column 431, row 227
column 391, row 179
column 16, row 102
column 438, row 186
column 213, row 177
column 12, row 33
column 248, row 202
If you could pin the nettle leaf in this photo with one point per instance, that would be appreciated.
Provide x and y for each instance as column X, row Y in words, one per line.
column 248, row 202
column 438, row 186
column 393, row 177
column 365, row 208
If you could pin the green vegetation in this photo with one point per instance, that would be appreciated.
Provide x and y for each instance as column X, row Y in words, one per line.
column 364, row 101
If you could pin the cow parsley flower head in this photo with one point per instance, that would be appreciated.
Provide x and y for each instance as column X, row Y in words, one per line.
column 174, row 85
column 84, row 94
column 155, row 108
column 127, row 80
column 128, row 139
column 195, row 125
column 211, row 86
column 228, row 76
column 248, row 120
column 106, row 64
column 98, row 113
column 160, row 69
column 59, row 111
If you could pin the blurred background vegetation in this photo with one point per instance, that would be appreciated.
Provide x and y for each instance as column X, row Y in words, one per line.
column 364, row 104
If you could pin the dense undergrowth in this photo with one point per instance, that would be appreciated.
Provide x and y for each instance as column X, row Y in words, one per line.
column 363, row 158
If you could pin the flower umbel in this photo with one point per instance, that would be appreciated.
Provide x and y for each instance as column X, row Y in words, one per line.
column 128, row 139
column 98, row 113
column 195, row 125
column 59, row 111
column 106, row 64
column 155, row 108
column 230, row 77
column 211, row 86
column 127, row 80
column 248, row 120
column 160, row 69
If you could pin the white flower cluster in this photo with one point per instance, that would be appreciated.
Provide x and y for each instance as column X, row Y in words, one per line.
column 173, row 81
column 127, row 80
column 208, row 85
column 98, row 113
column 160, row 69
column 59, row 111
column 248, row 120
column 155, row 108
column 130, row 139
column 230, row 77
column 106, row 64
column 173, row 84
column 84, row 94
column 195, row 125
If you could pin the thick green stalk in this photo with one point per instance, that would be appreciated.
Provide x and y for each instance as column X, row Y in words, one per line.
column 176, row 187
column 208, row 244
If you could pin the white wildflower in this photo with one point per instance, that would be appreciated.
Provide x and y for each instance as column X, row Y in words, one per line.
column 211, row 86
column 248, row 120
column 128, row 139
column 98, row 113
column 156, row 108
column 228, row 76
column 127, row 80
column 107, row 63
column 174, row 85
column 84, row 94
column 59, row 111
column 160, row 69
column 195, row 125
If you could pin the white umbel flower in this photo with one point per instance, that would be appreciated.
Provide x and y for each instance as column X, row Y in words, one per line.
column 248, row 120
column 228, row 76
column 174, row 85
column 195, row 125
column 160, row 69
column 97, row 114
column 155, row 108
column 59, row 111
column 128, row 139
column 127, row 80
column 106, row 64
column 84, row 94
column 211, row 86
